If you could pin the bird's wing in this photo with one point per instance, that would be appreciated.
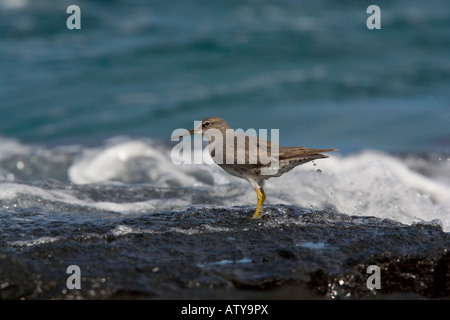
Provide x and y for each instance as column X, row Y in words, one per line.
column 260, row 151
column 253, row 149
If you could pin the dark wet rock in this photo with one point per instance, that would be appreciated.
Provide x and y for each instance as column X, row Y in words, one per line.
column 209, row 252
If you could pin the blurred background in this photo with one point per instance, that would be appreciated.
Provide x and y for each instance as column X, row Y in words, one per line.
column 309, row 68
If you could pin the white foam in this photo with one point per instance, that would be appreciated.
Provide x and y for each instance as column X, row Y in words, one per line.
column 106, row 164
column 369, row 183
column 121, row 230
column 13, row 191
column 118, row 161
column 33, row 242
column 10, row 148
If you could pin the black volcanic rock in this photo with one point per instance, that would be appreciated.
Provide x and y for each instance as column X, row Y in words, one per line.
column 208, row 252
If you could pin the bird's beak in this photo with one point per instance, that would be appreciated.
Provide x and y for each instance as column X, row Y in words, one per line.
column 187, row 133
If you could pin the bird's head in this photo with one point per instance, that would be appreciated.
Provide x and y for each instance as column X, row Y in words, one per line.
column 206, row 124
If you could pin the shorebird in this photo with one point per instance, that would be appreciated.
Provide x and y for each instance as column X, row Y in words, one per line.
column 251, row 158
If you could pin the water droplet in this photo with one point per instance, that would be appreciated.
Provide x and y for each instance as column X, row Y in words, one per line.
column 318, row 171
column 20, row 165
column 314, row 164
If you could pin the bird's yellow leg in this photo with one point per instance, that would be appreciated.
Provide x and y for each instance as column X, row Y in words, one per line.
column 261, row 198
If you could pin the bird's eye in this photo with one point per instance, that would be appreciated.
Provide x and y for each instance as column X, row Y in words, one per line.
column 207, row 123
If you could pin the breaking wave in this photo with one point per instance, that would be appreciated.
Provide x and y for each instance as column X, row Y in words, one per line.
column 405, row 188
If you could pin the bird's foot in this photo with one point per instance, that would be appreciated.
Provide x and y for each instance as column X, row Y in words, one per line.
column 256, row 215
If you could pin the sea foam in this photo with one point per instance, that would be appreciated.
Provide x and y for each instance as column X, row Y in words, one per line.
column 368, row 183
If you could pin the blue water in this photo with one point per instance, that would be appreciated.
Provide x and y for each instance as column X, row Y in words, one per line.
column 310, row 68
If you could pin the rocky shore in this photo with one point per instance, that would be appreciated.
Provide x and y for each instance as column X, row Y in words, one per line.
column 214, row 252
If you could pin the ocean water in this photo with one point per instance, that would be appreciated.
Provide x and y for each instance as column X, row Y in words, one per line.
column 311, row 69
column 86, row 115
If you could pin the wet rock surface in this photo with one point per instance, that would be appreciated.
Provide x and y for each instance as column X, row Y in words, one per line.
column 218, row 252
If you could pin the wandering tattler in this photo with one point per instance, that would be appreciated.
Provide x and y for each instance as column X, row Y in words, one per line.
column 251, row 158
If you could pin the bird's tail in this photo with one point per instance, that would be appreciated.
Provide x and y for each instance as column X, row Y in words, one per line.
column 302, row 152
